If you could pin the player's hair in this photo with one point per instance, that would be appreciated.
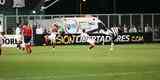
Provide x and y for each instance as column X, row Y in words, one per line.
column 56, row 25
column 2, row 33
column 83, row 30
column 18, row 24
column 25, row 23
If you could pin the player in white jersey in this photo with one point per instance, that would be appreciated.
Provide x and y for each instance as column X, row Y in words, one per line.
column 1, row 41
column 52, row 36
column 84, row 35
column 18, row 36
column 20, row 39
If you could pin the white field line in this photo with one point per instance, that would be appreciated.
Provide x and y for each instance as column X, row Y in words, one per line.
column 51, row 76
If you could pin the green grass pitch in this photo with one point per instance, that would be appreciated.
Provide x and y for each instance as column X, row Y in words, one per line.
column 76, row 62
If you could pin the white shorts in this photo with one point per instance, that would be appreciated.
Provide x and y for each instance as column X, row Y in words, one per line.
column 91, row 41
column 52, row 37
column 22, row 45
column 18, row 38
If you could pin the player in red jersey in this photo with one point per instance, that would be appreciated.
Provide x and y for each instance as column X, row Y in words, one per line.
column 27, row 33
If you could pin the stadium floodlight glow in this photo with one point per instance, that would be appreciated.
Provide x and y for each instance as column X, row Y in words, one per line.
column 84, row 0
column 46, row 0
column 34, row 12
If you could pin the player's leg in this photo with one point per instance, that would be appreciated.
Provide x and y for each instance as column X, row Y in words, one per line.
column 30, row 48
column 28, row 44
column 27, row 49
column 25, row 41
column 92, row 44
column 22, row 46
column 18, row 45
column 1, row 42
column 112, row 45
column 113, row 37
column 46, row 40
column 18, row 41
column 0, row 50
column 50, row 38
column 54, row 41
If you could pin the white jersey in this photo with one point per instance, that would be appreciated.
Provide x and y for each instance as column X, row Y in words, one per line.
column 1, row 28
column 18, row 31
column 52, row 36
column 22, row 44
column 19, row 38
column 93, row 24
column 1, row 39
column 54, row 32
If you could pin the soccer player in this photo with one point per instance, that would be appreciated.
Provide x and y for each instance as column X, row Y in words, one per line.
column 27, row 34
column 18, row 36
column 113, row 32
column 52, row 36
column 1, row 41
column 84, row 35
column 20, row 41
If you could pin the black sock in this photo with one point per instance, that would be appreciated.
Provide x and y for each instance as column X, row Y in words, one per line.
column 53, row 46
column 18, row 46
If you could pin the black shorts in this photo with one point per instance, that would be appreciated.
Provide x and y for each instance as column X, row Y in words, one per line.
column 27, row 39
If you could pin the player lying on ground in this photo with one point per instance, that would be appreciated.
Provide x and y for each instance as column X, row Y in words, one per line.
column 85, row 36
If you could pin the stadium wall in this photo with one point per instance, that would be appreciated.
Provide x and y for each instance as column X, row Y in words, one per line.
column 140, row 21
column 68, row 39
column 71, row 39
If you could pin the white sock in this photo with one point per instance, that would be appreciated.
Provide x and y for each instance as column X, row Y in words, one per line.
column 112, row 44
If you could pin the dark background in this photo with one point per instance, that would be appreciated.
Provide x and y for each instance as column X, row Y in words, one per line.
column 91, row 6
column 105, row 6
